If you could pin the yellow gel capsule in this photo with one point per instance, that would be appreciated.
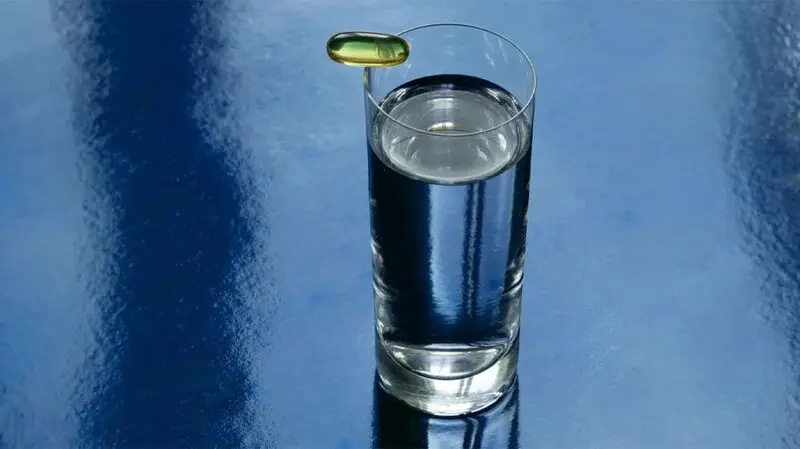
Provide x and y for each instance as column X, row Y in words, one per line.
column 367, row 49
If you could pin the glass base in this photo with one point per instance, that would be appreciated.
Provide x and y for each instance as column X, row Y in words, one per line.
column 448, row 397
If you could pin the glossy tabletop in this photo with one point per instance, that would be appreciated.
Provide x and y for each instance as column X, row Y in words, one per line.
column 184, row 235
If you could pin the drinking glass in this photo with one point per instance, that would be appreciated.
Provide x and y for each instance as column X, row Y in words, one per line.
column 449, row 135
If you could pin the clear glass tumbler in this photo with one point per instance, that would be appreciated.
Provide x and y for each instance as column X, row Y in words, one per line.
column 449, row 135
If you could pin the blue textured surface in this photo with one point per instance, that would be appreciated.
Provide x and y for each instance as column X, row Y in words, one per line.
column 184, row 255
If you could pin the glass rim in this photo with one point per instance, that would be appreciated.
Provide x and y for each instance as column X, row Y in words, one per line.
column 516, row 116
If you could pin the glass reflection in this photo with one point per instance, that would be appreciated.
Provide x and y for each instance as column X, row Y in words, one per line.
column 398, row 426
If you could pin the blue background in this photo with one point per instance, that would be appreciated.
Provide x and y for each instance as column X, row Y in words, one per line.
column 184, row 256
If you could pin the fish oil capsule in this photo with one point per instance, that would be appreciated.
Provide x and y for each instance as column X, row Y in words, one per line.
column 367, row 49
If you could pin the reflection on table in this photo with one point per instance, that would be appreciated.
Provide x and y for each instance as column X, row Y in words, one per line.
column 396, row 425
